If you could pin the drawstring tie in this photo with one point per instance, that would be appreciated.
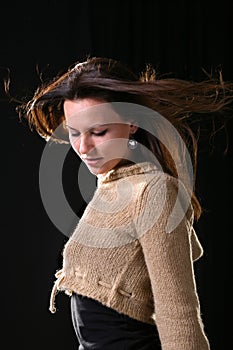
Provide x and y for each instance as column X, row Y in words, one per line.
column 60, row 275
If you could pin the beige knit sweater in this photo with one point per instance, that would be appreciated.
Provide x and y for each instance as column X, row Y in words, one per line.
column 122, row 254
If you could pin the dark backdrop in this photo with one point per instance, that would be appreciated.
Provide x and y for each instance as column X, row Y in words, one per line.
column 178, row 37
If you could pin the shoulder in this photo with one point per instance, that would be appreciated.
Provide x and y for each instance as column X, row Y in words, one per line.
column 159, row 185
column 162, row 186
column 164, row 202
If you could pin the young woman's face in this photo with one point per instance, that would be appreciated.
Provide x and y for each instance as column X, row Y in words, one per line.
column 97, row 134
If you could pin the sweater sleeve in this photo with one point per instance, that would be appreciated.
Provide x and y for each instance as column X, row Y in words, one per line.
column 169, row 259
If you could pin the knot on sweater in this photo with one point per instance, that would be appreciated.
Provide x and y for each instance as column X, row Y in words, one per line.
column 115, row 288
column 60, row 275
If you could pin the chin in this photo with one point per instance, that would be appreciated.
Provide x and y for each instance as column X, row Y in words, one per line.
column 105, row 168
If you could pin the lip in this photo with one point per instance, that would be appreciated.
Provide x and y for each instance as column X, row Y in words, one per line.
column 92, row 161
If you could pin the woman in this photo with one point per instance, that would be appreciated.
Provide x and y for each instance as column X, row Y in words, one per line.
column 128, row 265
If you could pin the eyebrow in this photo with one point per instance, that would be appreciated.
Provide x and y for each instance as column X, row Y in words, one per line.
column 69, row 127
column 93, row 126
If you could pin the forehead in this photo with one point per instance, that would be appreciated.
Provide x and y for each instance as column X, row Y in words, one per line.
column 83, row 113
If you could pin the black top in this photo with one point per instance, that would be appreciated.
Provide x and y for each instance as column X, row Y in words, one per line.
column 100, row 327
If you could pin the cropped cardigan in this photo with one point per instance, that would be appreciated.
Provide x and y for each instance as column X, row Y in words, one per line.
column 133, row 250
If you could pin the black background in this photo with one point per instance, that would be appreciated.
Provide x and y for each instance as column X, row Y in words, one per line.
column 178, row 37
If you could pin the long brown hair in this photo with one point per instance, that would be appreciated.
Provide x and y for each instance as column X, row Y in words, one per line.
column 179, row 101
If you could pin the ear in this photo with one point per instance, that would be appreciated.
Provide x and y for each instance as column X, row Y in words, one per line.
column 133, row 127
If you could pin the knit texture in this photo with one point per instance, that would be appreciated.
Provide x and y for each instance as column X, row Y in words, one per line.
column 122, row 254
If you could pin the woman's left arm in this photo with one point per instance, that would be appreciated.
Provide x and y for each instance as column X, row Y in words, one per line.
column 169, row 259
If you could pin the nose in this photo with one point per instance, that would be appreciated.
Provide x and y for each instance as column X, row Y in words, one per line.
column 84, row 144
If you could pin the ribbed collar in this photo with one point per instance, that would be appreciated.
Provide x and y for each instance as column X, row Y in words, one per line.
column 124, row 171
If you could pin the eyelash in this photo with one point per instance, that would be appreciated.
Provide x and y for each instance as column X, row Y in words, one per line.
column 101, row 133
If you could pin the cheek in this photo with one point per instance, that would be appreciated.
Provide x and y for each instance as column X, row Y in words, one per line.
column 111, row 146
column 114, row 148
column 75, row 144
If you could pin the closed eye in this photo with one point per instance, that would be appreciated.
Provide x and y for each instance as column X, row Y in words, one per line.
column 75, row 134
column 100, row 133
